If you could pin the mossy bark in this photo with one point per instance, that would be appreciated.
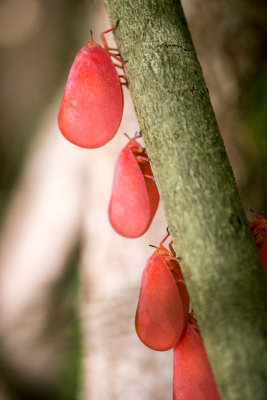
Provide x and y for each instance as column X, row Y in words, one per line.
column 203, row 209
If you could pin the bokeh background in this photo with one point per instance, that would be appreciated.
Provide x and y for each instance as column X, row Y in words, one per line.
column 68, row 283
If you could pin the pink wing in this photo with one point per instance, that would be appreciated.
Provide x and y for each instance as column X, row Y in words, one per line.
column 133, row 203
column 192, row 376
column 160, row 315
column 92, row 105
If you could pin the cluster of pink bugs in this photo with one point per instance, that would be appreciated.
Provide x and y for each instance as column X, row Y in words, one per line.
column 163, row 322
column 89, row 117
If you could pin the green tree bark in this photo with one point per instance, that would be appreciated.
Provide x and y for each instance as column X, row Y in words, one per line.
column 198, row 191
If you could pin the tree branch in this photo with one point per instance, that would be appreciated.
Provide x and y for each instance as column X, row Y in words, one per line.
column 198, row 191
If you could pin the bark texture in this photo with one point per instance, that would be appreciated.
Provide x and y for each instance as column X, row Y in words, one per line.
column 198, row 191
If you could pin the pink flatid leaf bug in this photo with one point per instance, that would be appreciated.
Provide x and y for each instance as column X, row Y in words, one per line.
column 163, row 305
column 134, row 198
column 92, row 105
column 192, row 374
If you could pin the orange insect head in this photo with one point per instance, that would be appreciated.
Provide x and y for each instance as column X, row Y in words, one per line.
column 137, row 148
column 170, row 257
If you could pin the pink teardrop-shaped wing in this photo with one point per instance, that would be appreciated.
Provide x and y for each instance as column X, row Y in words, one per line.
column 132, row 206
column 160, row 315
column 192, row 376
column 92, row 105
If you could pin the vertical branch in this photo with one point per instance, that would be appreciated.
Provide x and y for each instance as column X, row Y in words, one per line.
column 198, row 191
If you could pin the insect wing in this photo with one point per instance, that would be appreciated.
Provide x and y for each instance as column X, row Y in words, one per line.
column 159, row 316
column 192, row 376
column 92, row 105
column 129, row 208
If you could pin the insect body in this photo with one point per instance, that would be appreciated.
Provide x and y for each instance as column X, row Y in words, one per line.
column 92, row 105
column 135, row 198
